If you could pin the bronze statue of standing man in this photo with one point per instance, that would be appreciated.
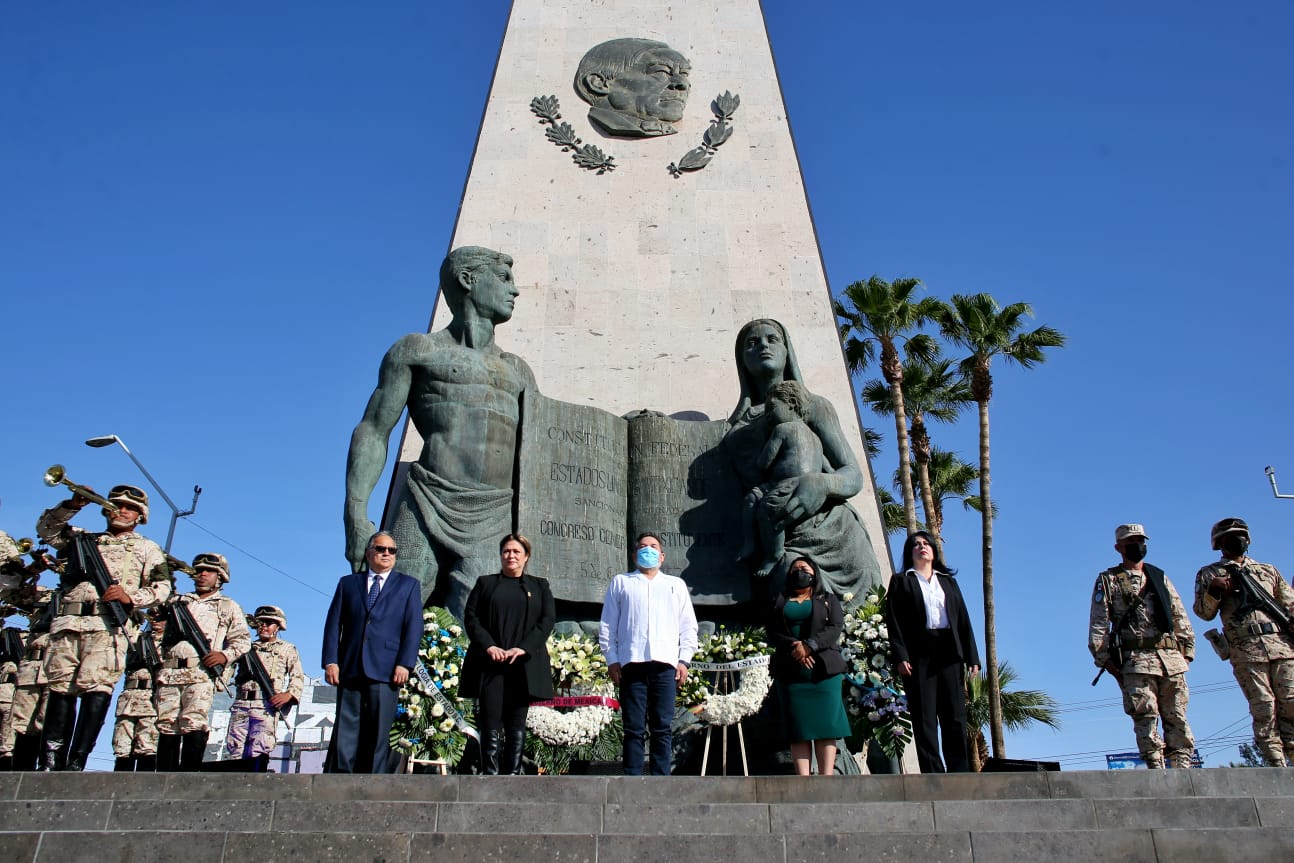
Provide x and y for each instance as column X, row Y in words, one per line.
column 463, row 394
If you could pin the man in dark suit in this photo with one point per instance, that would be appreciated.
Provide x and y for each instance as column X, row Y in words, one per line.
column 370, row 645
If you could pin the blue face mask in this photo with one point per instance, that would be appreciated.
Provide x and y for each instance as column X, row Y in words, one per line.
column 647, row 557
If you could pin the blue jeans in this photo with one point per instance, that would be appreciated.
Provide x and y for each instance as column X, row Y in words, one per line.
column 647, row 691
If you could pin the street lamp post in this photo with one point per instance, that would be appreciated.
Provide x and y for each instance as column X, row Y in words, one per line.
column 1271, row 475
column 176, row 514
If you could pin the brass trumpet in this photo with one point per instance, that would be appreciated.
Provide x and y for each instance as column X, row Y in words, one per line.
column 25, row 544
column 178, row 565
column 57, row 476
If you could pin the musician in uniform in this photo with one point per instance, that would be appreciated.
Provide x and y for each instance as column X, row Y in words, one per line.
column 11, row 648
column 254, row 717
column 185, row 683
column 1134, row 604
column 1256, row 605
column 87, row 650
column 134, row 737
column 27, row 717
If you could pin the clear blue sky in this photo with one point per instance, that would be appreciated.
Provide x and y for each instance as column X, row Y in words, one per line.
column 213, row 221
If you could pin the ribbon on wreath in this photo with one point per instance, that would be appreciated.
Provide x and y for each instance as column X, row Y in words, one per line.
column 429, row 684
column 579, row 701
column 737, row 665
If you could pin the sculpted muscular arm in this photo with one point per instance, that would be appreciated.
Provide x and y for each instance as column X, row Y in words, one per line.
column 843, row 482
column 368, row 445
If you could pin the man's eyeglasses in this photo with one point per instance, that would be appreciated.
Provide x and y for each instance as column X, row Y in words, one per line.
column 384, row 549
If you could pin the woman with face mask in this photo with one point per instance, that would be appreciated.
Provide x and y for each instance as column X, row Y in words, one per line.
column 804, row 629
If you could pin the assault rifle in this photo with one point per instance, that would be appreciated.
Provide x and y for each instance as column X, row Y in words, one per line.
column 11, row 646
column 86, row 564
column 180, row 622
column 254, row 668
column 146, row 655
column 1254, row 597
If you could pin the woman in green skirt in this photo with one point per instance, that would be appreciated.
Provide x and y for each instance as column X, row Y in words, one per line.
column 804, row 630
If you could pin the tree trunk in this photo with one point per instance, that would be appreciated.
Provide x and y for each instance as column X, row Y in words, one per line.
column 977, row 749
column 990, row 608
column 921, row 454
column 893, row 371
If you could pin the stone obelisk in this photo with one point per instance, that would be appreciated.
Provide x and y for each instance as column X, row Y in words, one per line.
column 636, row 276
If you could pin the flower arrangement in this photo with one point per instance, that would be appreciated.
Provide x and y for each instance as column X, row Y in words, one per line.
column 577, row 661
column 746, row 653
column 430, row 725
column 878, row 709
column 562, row 735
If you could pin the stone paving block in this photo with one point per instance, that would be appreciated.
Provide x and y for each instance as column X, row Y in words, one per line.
column 18, row 847
column 880, row 848
column 313, row 847
column 1122, row 783
column 1197, row 812
column 882, row 817
column 133, row 847
column 9, row 785
column 357, row 816
column 533, row 789
column 1275, row 811
column 1261, row 845
column 500, row 848
column 1066, row 846
column 518, row 818
column 693, row 849
column 706, row 818
column 986, row 815
column 682, row 789
column 237, row 786
column 92, row 786
column 413, row 787
column 976, row 786
column 25, row 815
column 828, row 789
column 195, row 815
column 1243, row 782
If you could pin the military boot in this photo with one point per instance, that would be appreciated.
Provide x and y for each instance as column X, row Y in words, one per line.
column 490, row 744
column 146, row 764
column 124, row 764
column 6, row 763
column 60, row 711
column 192, row 747
column 168, row 753
column 514, row 744
column 89, row 722
column 26, row 751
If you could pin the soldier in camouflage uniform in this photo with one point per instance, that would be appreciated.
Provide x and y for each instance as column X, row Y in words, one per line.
column 10, row 561
column 28, row 715
column 184, row 683
column 1157, row 642
column 134, row 737
column 254, row 718
column 1262, row 654
column 8, row 680
column 87, row 653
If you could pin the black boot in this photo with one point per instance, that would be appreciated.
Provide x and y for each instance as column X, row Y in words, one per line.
column 26, row 751
column 490, row 742
column 124, row 764
column 168, row 753
column 192, row 748
column 146, row 764
column 89, row 722
column 60, row 711
column 6, row 763
column 514, row 744
column 260, row 763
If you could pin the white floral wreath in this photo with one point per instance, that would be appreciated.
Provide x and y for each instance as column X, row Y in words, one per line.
column 580, row 727
column 745, row 700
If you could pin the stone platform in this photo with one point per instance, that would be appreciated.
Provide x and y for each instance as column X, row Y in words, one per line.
column 1176, row 816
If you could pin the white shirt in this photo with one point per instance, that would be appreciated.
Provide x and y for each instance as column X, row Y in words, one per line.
column 936, row 605
column 647, row 620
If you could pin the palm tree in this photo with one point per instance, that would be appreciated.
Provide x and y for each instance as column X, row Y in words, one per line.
column 877, row 314
column 893, row 519
column 929, row 388
column 978, row 323
column 1019, row 710
column 951, row 480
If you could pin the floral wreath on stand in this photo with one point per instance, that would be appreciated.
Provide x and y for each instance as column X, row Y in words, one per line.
column 582, row 723
column 746, row 653
column 878, row 709
column 429, row 722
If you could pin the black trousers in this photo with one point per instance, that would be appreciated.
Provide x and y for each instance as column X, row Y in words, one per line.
column 504, row 699
column 361, row 737
column 937, row 700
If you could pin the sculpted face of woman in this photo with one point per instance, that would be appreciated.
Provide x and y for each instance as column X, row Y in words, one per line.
column 513, row 558
column 763, row 349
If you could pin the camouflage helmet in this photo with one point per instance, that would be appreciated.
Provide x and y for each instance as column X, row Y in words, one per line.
column 1227, row 525
column 215, row 562
column 132, row 495
column 272, row 613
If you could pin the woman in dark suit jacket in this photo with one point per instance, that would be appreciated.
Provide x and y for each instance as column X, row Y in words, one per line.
column 931, row 645
column 804, row 629
column 508, row 618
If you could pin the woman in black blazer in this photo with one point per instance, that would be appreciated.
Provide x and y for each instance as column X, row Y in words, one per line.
column 931, row 646
column 804, row 629
column 508, row 618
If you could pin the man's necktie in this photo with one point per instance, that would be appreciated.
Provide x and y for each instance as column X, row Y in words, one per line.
column 374, row 591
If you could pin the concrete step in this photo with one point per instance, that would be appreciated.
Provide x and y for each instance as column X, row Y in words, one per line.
column 1187, row 815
